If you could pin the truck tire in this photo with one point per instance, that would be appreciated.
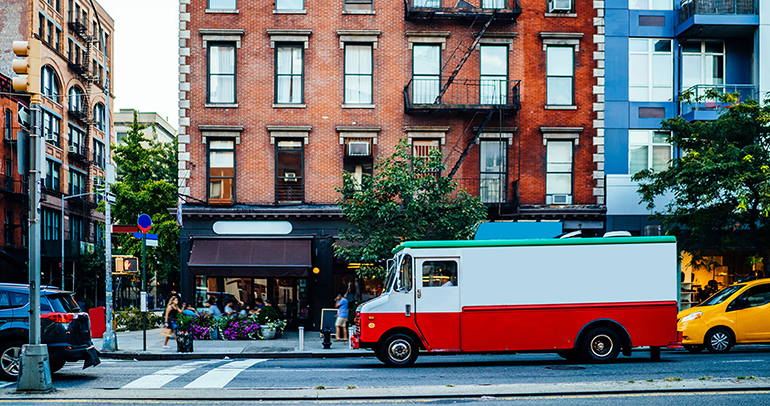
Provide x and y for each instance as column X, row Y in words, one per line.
column 398, row 350
column 9, row 360
column 600, row 345
column 719, row 341
column 694, row 348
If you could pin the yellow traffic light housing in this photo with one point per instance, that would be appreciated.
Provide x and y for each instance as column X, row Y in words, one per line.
column 28, row 69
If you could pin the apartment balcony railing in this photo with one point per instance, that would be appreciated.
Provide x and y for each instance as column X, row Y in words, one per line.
column 690, row 109
column 79, row 153
column 421, row 95
column 289, row 190
column 8, row 184
column 504, row 10
column 491, row 189
column 690, row 8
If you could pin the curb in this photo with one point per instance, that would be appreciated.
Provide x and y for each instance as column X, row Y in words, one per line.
column 194, row 356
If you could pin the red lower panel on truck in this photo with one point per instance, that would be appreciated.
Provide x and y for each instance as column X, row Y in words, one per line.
column 553, row 327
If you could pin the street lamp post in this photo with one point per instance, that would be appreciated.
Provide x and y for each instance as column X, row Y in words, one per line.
column 63, row 198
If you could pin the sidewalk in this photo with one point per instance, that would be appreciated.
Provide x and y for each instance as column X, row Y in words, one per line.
column 131, row 345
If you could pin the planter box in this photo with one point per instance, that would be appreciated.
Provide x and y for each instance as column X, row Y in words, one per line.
column 267, row 332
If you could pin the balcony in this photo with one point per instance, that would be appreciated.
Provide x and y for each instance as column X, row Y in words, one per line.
column 79, row 114
column 422, row 10
column 710, row 109
column 463, row 95
column 717, row 18
column 79, row 153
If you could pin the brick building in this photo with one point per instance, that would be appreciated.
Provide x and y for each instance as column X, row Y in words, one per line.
column 73, row 76
column 278, row 98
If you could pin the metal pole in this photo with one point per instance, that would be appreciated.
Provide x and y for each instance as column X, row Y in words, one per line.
column 301, row 339
column 144, row 290
column 62, row 243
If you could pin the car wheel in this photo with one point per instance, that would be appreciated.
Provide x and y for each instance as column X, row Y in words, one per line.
column 719, row 341
column 56, row 365
column 694, row 348
column 600, row 345
column 399, row 350
column 9, row 360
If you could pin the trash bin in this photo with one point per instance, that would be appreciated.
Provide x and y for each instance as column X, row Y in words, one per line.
column 96, row 316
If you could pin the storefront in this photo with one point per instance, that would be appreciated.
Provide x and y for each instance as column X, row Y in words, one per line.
column 703, row 277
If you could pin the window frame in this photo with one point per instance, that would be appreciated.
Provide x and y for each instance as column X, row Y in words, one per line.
column 354, row 9
column 650, row 54
column 702, row 55
column 436, row 77
column 571, row 171
column 289, row 9
column 571, row 76
column 82, row 182
column 235, row 6
column 502, row 174
column 300, row 179
column 347, row 75
column 501, row 98
column 650, row 6
column 53, row 172
column 651, row 144
column 209, row 75
column 276, row 75
column 218, row 201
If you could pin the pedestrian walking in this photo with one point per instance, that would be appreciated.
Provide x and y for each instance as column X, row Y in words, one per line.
column 342, row 317
column 172, row 310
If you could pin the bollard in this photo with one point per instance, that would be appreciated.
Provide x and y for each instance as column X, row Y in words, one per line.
column 301, row 339
column 327, row 333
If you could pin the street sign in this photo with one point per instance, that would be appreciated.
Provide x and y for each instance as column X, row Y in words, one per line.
column 124, row 229
column 151, row 243
column 138, row 236
column 144, row 222
column 111, row 198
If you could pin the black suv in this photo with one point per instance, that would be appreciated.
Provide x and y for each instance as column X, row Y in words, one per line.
column 63, row 327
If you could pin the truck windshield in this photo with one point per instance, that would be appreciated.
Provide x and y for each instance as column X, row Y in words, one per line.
column 721, row 296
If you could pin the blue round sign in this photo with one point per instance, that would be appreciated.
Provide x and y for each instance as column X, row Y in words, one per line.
column 144, row 222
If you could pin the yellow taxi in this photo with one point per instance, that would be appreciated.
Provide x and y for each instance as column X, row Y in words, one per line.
column 737, row 314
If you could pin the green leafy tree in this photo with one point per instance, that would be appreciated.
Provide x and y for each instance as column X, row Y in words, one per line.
column 146, row 184
column 720, row 187
column 402, row 201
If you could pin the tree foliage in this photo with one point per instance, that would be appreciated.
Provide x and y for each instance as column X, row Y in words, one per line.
column 402, row 201
column 720, row 187
column 147, row 185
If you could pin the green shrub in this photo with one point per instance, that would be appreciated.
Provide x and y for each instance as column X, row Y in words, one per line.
column 130, row 319
column 267, row 315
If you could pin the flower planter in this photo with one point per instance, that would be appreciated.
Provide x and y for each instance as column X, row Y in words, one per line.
column 267, row 332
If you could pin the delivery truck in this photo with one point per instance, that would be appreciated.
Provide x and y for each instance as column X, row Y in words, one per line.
column 587, row 299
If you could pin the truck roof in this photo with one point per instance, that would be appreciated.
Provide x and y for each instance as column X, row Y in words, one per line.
column 533, row 242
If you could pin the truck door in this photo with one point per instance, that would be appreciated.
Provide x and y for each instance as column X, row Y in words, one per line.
column 437, row 307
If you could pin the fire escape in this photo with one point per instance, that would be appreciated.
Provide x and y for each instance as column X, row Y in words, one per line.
column 80, row 62
column 447, row 93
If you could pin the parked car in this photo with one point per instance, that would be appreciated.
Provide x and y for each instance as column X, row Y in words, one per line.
column 737, row 314
column 63, row 327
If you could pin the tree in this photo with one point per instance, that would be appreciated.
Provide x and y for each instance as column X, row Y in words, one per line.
column 403, row 200
column 147, row 184
column 721, row 184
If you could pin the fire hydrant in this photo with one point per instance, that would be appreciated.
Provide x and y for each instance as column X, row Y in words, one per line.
column 327, row 333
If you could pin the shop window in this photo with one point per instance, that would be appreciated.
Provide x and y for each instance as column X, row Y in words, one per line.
column 289, row 162
column 439, row 273
column 221, row 171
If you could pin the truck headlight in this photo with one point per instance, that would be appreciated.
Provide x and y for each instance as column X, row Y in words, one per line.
column 692, row 316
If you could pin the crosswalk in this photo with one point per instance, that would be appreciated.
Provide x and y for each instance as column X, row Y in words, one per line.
column 218, row 377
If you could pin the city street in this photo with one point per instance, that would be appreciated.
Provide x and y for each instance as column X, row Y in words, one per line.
column 739, row 377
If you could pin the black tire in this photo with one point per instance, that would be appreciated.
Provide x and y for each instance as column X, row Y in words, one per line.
column 55, row 365
column 9, row 360
column 569, row 355
column 398, row 350
column 600, row 345
column 694, row 348
column 719, row 341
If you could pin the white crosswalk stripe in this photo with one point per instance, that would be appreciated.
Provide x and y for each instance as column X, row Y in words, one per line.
column 164, row 376
column 222, row 375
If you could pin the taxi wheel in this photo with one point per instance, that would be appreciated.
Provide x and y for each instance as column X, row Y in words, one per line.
column 719, row 341
column 694, row 348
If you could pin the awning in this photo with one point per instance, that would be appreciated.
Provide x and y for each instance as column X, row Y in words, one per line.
column 258, row 258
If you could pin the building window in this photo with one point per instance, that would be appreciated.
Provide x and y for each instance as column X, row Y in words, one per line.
column 57, row 40
column 358, row 159
column 494, row 74
column 99, row 153
column 78, row 140
column 421, row 151
column 288, row 74
column 77, row 182
column 51, row 125
column 99, row 189
column 50, row 34
column 358, row 74
column 51, row 224
column 427, row 3
column 9, row 228
column 99, row 234
column 493, row 3
column 426, row 73
column 76, row 100
column 558, row 178
column 77, row 231
column 651, row 67
column 222, row 73
column 223, row 5
column 358, row 5
column 41, row 26
column 221, row 171
column 493, row 171
column 650, row 5
column 289, row 182
column 560, row 71
column 99, row 116
column 50, row 84
column 703, row 63
column 289, row 4
column 648, row 149
column 52, row 178
column 8, row 125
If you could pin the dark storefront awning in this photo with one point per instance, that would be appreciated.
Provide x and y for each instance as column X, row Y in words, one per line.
column 257, row 258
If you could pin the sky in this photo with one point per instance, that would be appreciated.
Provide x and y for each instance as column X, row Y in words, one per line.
column 146, row 55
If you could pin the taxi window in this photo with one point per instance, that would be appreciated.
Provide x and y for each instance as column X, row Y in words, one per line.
column 754, row 297
column 722, row 295
column 439, row 273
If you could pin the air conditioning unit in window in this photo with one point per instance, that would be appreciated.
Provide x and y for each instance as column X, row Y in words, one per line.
column 51, row 137
column 558, row 199
column 358, row 148
column 562, row 6
column 73, row 149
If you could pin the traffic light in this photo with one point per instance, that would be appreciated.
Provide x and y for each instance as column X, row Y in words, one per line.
column 126, row 264
column 28, row 69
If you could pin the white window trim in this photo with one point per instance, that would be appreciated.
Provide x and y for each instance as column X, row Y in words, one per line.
column 561, row 134
column 497, row 38
column 650, row 72
column 427, row 37
column 302, row 36
column 360, row 36
column 220, row 131
column 492, row 134
column 218, row 35
column 283, row 131
column 420, row 132
column 650, row 146
column 561, row 39
column 358, row 132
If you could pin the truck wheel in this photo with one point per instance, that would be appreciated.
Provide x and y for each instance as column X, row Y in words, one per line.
column 719, row 341
column 9, row 360
column 399, row 350
column 600, row 345
column 694, row 348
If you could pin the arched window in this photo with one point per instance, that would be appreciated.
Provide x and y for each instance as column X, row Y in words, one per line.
column 51, row 88
column 99, row 116
column 76, row 99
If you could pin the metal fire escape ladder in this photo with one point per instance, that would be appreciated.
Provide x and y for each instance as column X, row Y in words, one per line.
column 465, row 57
column 470, row 144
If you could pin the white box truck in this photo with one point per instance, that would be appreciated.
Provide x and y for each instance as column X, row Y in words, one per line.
column 586, row 299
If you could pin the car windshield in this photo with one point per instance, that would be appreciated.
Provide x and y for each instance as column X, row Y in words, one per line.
column 721, row 296
column 63, row 303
